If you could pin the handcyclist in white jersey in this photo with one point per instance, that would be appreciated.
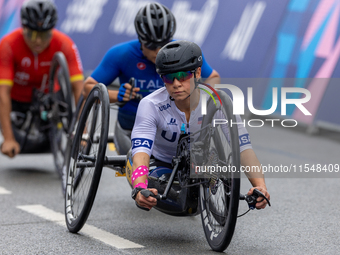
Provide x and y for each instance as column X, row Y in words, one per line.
column 164, row 113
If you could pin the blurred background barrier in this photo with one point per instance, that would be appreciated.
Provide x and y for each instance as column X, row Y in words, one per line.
column 292, row 43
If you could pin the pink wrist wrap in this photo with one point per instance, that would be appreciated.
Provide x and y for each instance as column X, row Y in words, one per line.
column 140, row 171
column 141, row 185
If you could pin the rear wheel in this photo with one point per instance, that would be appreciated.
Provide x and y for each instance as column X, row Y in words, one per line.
column 87, row 158
column 61, row 109
column 219, row 196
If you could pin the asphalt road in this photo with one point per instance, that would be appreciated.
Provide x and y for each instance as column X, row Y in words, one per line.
column 303, row 219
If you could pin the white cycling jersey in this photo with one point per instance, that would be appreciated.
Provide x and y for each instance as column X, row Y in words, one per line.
column 158, row 124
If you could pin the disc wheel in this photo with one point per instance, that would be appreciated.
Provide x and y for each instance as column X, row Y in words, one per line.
column 87, row 158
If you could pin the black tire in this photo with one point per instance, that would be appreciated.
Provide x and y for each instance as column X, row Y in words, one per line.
column 61, row 109
column 219, row 198
column 89, row 143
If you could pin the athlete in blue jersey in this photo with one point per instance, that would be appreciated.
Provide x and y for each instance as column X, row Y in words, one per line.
column 155, row 26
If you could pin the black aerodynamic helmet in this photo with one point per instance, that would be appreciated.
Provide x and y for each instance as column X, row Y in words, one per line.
column 178, row 56
column 40, row 15
column 155, row 25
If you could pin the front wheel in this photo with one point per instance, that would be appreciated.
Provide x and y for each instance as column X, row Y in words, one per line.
column 61, row 109
column 219, row 195
column 71, row 132
column 87, row 158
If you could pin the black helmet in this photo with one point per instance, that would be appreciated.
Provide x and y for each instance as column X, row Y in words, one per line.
column 178, row 56
column 40, row 15
column 155, row 25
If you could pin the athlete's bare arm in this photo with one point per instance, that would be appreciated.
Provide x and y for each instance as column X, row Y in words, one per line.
column 10, row 146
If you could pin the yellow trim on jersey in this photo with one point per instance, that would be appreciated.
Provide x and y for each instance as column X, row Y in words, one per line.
column 6, row 82
column 77, row 77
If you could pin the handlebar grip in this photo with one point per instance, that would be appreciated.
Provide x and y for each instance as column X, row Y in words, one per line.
column 252, row 199
column 132, row 82
column 260, row 194
column 148, row 193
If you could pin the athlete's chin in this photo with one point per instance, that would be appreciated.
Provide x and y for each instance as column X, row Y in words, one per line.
column 38, row 50
column 179, row 96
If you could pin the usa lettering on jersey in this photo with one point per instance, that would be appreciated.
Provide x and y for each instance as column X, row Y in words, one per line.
column 164, row 107
column 244, row 139
column 141, row 142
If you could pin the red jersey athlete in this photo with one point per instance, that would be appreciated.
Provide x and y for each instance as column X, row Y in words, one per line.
column 25, row 58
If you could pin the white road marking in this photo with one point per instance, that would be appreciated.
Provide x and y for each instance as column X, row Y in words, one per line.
column 4, row 191
column 91, row 231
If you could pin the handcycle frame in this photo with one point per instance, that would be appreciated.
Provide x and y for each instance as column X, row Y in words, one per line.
column 87, row 162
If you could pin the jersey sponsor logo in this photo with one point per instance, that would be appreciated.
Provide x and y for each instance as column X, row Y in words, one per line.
column 141, row 66
column 26, row 62
column 164, row 107
column 141, row 142
column 172, row 122
column 22, row 76
column 244, row 139
column 47, row 63
column 172, row 139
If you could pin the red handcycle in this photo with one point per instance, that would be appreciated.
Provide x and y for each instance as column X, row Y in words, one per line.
column 44, row 126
